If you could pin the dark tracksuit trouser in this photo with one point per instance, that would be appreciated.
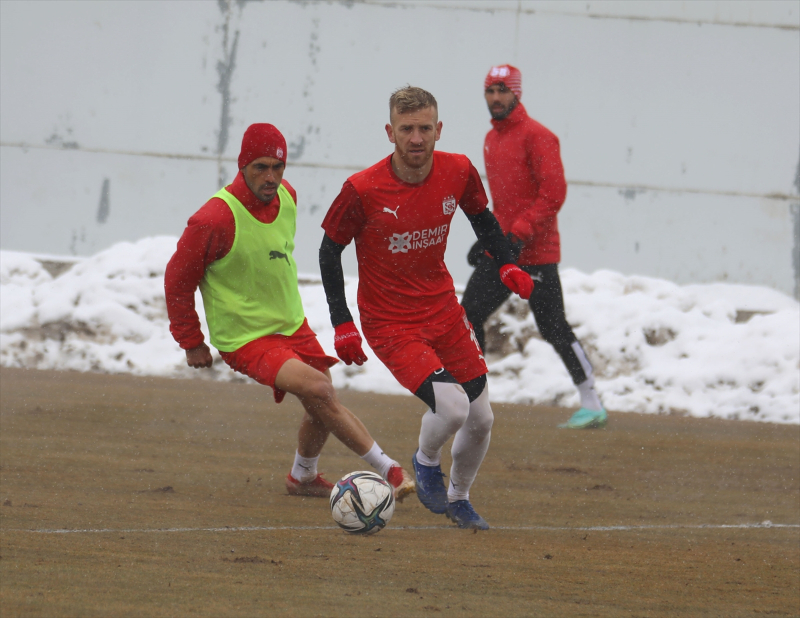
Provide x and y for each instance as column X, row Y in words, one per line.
column 485, row 293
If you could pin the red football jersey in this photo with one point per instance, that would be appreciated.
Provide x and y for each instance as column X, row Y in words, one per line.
column 401, row 233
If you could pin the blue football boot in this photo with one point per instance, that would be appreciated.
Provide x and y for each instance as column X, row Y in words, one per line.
column 464, row 515
column 430, row 486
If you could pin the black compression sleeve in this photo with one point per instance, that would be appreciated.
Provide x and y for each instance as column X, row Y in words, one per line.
column 330, row 267
column 491, row 237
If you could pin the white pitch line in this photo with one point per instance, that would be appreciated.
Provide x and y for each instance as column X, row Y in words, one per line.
column 762, row 525
column 653, row 527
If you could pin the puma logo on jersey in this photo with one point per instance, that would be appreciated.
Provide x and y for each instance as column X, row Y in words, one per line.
column 393, row 212
column 279, row 255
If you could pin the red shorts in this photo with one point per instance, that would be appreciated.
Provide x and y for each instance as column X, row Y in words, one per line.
column 263, row 358
column 412, row 352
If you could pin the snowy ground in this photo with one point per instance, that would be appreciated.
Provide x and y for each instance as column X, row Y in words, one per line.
column 729, row 351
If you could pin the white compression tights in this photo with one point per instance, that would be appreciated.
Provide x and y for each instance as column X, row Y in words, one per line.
column 472, row 425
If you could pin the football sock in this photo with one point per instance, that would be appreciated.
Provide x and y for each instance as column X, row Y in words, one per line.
column 379, row 460
column 452, row 410
column 424, row 459
column 304, row 468
column 589, row 398
column 470, row 446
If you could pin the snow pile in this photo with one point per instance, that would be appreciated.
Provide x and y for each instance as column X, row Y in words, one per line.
column 106, row 313
column 722, row 350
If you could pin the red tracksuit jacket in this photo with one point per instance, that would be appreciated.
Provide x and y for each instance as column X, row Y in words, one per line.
column 526, row 180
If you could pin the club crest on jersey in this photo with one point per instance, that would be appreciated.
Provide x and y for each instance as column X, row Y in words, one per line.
column 449, row 205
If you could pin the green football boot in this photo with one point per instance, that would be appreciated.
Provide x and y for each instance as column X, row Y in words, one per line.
column 586, row 419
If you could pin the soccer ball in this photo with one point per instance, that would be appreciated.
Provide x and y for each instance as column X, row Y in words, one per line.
column 362, row 502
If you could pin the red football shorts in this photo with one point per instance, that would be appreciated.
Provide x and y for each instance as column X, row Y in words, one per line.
column 263, row 358
column 412, row 352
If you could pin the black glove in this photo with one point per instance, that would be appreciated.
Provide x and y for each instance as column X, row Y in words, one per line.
column 516, row 245
column 475, row 253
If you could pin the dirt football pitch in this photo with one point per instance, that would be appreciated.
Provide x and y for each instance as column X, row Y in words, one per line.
column 128, row 496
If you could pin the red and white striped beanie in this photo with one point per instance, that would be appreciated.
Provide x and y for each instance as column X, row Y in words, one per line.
column 505, row 74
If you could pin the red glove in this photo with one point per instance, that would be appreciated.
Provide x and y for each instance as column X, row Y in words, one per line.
column 517, row 280
column 522, row 229
column 347, row 342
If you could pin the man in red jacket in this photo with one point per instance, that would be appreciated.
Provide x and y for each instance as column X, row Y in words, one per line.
column 238, row 250
column 526, row 180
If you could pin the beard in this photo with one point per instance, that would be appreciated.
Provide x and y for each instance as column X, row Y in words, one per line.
column 501, row 114
column 414, row 160
column 266, row 193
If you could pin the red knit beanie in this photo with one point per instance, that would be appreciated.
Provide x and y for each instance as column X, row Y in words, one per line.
column 505, row 74
column 262, row 140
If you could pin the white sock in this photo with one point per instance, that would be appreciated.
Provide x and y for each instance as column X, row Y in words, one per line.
column 429, row 460
column 452, row 411
column 379, row 460
column 304, row 468
column 470, row 446
column 589, row 398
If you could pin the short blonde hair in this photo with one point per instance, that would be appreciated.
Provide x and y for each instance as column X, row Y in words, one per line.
column 411, row 99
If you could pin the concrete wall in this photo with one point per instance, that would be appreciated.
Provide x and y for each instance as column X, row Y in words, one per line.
column 679, row 121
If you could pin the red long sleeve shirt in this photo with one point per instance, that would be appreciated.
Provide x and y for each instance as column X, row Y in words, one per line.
column 526, row 179
column 208, row 237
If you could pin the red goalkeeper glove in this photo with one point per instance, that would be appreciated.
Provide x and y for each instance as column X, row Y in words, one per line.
column 517, row 280
column 347, row 342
